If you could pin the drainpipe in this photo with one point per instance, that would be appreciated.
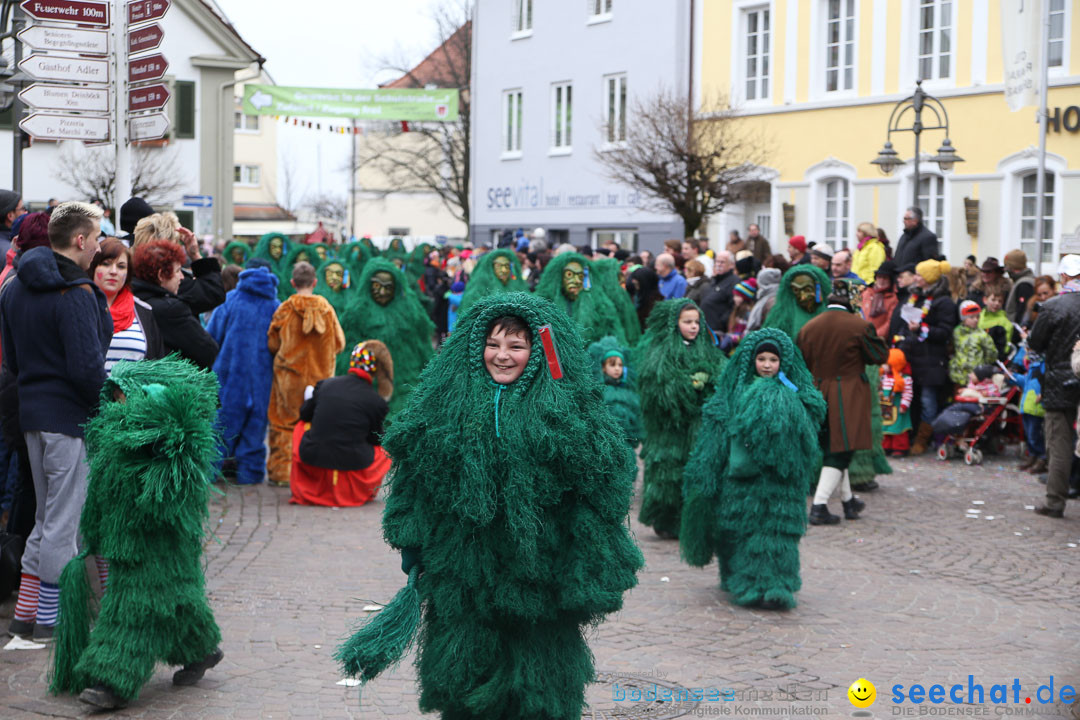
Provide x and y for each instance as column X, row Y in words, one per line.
column 223, row 127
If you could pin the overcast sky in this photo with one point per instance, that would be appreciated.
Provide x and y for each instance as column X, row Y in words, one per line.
column 333, row 43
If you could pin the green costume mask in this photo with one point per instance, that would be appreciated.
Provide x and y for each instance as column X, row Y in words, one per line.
column 382, row 288
column 483, row 281
column 675, row 379
column 789, row 313
column 320, row 252
column 331, row 284
column 277, row 248
column 522, row 543
column 592, row 308
column 237, row 253
column 502, row 269
column 273, row 248
column 573, row 279
column 334, row 276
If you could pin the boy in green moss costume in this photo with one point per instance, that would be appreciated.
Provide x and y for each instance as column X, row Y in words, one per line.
column 612, row 362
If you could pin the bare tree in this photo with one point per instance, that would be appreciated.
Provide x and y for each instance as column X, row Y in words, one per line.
column 681, row 165
column 92, row 173
column 433, row 157
column 289, row 198
column 326, row 206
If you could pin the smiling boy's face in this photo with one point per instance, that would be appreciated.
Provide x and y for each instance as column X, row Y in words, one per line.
column 506, row 355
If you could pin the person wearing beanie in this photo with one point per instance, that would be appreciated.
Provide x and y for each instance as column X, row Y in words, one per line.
column 337, row 458
column 972, row 345
column 768, row 282
column 879, row 299
column 743, row 297
column 11, row 209
column 925, row 329
column 797, row 250
column 821, row 256
column 131, row 212
column 837, row 345
column 613, row 366
column 745, row 483
column 1023, row 289
column 746, row 265
column 894, row 397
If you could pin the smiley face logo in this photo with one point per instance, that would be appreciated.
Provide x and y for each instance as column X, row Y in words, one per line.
column 862, row 693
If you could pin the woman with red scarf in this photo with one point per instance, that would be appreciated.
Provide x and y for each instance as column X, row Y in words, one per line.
column 135, row 333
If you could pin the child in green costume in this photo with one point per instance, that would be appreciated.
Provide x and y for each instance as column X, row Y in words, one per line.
column 385, row 309
column 678, row 364
column 152, row 450
column 567, row 283
column 745, row 484
column 606, row 272
column 273, row 247
column 508, row 499
column 613, row 365
column 496, row 272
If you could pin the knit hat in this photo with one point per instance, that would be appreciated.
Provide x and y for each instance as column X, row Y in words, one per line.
column 991, row 265
column 1070, row 265
column 373, row 357
column 887, row 268
column 825, row 250
column 1015, row 260
column 457, row 287
column 932, row 270
column 9, row 200
column 747, row 288
column 798, row 242
column 969, row 308
column 906, row 267
column 767, row 346
column 132, row 212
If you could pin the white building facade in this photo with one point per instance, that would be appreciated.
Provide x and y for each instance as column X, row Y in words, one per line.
column 553, row 82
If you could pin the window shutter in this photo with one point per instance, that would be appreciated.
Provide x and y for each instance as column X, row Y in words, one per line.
column 185, row 110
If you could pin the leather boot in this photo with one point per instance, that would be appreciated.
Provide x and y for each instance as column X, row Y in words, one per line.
column 852, row 508
column 922, row 438
column 820, row 515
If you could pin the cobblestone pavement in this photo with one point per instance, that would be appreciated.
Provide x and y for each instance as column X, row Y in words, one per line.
column 914, row 592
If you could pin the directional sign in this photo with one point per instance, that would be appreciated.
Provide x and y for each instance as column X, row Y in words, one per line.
column 148, row 127
column 49, row 37
column 145, row 38
column 66, row 127
column 151, row 67
column 149, row 97
column 143, row 10
column 56, row 67
column 66, row 97
column 203, row 201
column 83, row 12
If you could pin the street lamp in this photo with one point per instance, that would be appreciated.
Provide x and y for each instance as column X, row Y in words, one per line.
column 888, row 159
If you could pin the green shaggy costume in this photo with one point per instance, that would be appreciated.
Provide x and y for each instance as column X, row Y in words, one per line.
column 786, row 314
column 593, row 310
column 296, row 254
column 236, row 253
column 341, row 297
column 620, row 397
column 151, row 460
column 606, row 276
column 668, row 370
column 745, row 484
column 482, row 281
column 262, row 250
column 515, row 500
column 402, row 325
column 355, row 255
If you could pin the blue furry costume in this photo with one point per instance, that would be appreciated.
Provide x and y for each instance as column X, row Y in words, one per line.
column 245, row 368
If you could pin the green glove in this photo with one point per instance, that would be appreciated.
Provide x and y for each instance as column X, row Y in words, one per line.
column 409, row 557
column 699, row 379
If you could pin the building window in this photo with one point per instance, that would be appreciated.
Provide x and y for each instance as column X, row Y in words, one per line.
column 511, row 146
column 245, row 123
column 935, row 39
column 1057, row 33
column 840, row 45
column 615, row 108
column 757, row 53
column 625, row 239
column 184, row 109
column 932, row 202
column 837, row 204
column 1029, row 216
column 599, row 10
column 246, row 175
column 523, row 17
column 561, row 116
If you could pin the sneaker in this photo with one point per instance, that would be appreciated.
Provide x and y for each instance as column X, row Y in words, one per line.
column 193, row 672
column 820, row 515
column 21, row 629
column 43, row 633
column 101, row 697
column 1049, row 512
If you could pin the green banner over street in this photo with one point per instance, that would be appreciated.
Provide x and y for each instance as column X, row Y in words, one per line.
column 438, row 105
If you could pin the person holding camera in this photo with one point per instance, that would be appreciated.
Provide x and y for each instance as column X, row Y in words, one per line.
column 1056, row 331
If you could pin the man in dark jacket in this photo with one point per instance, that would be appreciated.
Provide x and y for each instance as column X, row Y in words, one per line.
column 56, row 329
column 717, row 299
column 1053, row 336
column 917, row 243
column 11, row 208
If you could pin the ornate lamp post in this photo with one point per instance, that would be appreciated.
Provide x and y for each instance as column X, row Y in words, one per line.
column 888, row 159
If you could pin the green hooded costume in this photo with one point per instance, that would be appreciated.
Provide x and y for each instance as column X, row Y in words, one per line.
column 745, row 484
column 402, row 325
column 343, row 295
column 396, row 253
column 483, row 282
column 236, row 253
column 606, row 276
column 675, row 379
column 265, row 249
column 593, row 309
column 355, row 255
column 418, row 260
column 786, row 314
column 620, row 396
column 296, row 254
column 512, row 502
column 152, row 456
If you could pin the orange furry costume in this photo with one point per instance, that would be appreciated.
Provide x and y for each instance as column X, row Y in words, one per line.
column 305, row 338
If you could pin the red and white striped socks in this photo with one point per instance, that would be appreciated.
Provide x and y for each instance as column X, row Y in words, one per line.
column 27, row 605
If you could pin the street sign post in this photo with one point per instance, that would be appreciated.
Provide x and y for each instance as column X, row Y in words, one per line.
column 149, row 97
column 145, row 10
column 66, row 39
column 66, row 97
column 82, row 12
column 148, row 127
column 66, row 127
column 151, row 67
column 71, row 69
column 144, row 38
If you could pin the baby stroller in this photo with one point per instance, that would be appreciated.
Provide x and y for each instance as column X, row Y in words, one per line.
column 975, row 423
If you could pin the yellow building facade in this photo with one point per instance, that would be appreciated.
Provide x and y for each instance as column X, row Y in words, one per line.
column 818, row 79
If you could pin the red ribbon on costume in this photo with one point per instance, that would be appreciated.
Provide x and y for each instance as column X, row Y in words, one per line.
column 551, row 352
